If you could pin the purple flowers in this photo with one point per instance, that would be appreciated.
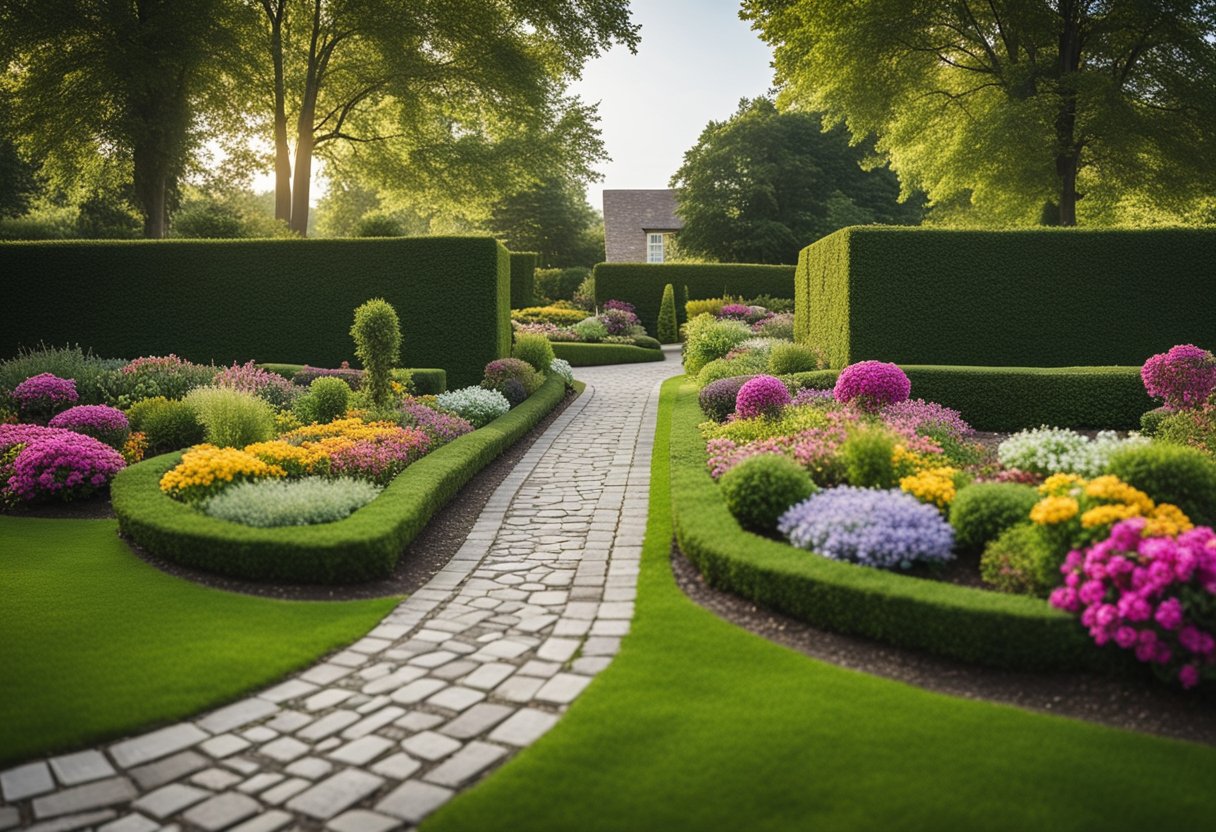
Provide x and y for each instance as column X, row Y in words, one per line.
column 622, row 306
column 66, row 465
column 107, row 424
column 441, row 427
column 872, row 384
column 40, row 396
column 717, row 399
column 619, row 321
column 1151, row 595
column 1183, row 377
column 761, row 396
column 380, row 459
column 869, row 527
column 920, row 416
column 250, row 378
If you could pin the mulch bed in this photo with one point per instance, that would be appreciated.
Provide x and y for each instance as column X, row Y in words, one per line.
column 1137, row 704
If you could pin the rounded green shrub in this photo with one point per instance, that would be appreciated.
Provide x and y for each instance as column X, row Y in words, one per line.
column 377, row 334
column 706, row 338
column 1170, row 473
column 980, row 512
column 760, row 489
column 867, row 457
column 1195, row 428
column 327, row 399
column 748, row 364
column 646, row 342
column 535, row 349
column 1151, row 421
column 591, row 330
column 231, row 418
column 786, row 358
column 1022, row 560
column 667, row 329
column 168, row 425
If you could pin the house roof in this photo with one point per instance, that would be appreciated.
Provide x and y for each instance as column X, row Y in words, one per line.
column 631, row 211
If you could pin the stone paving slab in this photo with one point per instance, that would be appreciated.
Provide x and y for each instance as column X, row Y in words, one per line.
column 471, row 668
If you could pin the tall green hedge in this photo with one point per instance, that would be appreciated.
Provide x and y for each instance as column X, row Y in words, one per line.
column 235, row 300
column 642, row 284
column 523, row 278
column 1037, row 298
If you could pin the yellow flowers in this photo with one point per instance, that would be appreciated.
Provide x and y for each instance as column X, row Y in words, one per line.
column 1084, row 510
column 1113, row 490
column 1059, row 485
column 1051, row 511
column 296, row 460
column 205, row 469
column 351, row 428
column 932, row 485
column 1108, row 515
column 1167, row 520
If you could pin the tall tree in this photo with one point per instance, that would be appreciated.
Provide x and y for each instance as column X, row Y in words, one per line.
column 1010, row 104
column 121, row 78
column 762, row 185
column 554, row 220
column 428, row 73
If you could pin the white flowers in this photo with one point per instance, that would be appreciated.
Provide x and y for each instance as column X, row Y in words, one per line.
column 561, row 368
column 1047, row 451
column 478, row 405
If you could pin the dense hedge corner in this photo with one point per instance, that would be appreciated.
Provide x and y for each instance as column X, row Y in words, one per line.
column 642, row 284
column 1035, row 298
column 236, row 300
column 594, row 355
column 363, row 547
column 523, row 279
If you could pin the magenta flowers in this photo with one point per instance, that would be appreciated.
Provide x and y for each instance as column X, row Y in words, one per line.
column 107, row 424
column 872, row 384
column 1155, row 596
column 382, row 458
column 761, row 396
column 66, row 465
column 40, row 396
column 1183, row 377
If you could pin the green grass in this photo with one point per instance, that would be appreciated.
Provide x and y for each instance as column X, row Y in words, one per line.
column 94, row 643
column 698, row 724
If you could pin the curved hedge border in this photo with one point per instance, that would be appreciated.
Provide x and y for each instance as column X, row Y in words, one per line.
column 362, row 547
column 1013, row 398
column 592, row 355
column 427, row 380
column 975, row 625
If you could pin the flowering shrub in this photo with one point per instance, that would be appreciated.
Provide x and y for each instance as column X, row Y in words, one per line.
column 927, row 419
column 99, row 421
column 750, row 315
column 135, row 448
column 813, row 396
column 789, row 422
column 591, row 330
column 268, row 503
column 780, row 325
column 65, row 465
column 295, row 460
column 152, row 376
column 1047, row 451
column 441, row 427
column 1183, row 377
column 503, row 370
column 707, row 338
column 206, row 469
column 717, row 399
column 761, row 396
column 621, row 306
column 306, row 376
column 561, row 368
column 1154, row 595
column 935, row 486
column 1076, row 512
column 869, row 527
column 381, row 458
column 872, row 384
column 249, row 378
column 41, row 396
column 478, row 405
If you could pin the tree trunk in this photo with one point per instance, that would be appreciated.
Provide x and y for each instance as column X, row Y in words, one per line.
column 282, row 153
column 150, row 179
column 303, row 176
column 1068, row 149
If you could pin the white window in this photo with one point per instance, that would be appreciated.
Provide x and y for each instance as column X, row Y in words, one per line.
column 654, row 248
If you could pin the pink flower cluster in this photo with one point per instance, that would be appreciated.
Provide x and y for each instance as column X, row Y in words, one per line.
column 761, row 396
column 41, row 395
column 65, row 465
column 250, row 378
column 1183, row 377
column 107, row 424
column 440, row 426
column 872, row 384
column 1151, row 595
column 912, row 415
column 382, row 458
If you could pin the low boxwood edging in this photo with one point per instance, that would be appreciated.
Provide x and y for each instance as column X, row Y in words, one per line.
column 1013, row 398
column 427, row 380
column 591, row 355
column 974, row 625
column 362, row 547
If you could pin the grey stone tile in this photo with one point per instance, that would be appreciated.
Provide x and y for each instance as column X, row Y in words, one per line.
column 373, row 722
column 216, row 779
column 418, row 721
column 156, row 744
column 170, row 768
column 524, row 727
column 328, row 724
column 260, row 782
column 417, row 691
column 429, row 745
column 465, row 764
column 82, row 767
column 26, row 781
column 134, row 822
column 73, row 822
column 284, row 791
column 361, row 751
column 558, row 649
column 476, row 720
column 326, row 699
column 222, row 811
column 519, row 688
column 310, row 767
column 334, row 794
column 413, row 800
column 225, row 745
column 169, row 800
column 284, row 749
column 93, row 795
column 268, row 821
column 291, row 689
column 397, row 767
column 489, row 675
column 9, row 817
column 361, row 820
column 456, row 698
column 236, row 715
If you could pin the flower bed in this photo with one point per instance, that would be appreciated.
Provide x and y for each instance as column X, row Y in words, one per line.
column 616, row 323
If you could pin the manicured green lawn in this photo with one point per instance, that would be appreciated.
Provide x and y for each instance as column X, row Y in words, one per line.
column 698, row 724
column 94, row 643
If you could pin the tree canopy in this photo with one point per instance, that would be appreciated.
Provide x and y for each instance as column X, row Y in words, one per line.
column 762, row 185
column 1017, row 111
column 554, row 220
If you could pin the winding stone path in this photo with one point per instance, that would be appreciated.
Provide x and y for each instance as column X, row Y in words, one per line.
column 468, row 670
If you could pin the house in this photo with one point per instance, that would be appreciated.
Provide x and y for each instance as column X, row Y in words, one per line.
column 639, row 225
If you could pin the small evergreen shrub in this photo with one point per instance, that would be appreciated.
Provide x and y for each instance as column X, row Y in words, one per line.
column 377, row 334
column 1196, row 428
column 668, row 329
column 269, row 503
column 1150, row 422
column 155, row 375
column 706, row 338
column 168, row 424
column 717, row 399
column 786, row 358
column 1169, row 473
column 646, row 342
column 514, row 375
column 982, row 511
column 746, row 364
column 759, row 490
column 230, row 418
column 1022, row 560
column 591, row 330
column 868, row 459
column 534, row 349
column 328, row 398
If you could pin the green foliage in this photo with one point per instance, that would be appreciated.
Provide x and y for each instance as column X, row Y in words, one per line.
column 980, row 512
column 761, row 185
column 41, row 223
column 591, row 330
column 302, row 502
column 667, row 330
column 707, row 338
column 559, row 284
column 377, row 334
column 523, row 279
column 867, row 457
column 1150, row 422
column 646, row 342
column 535, row 349
column 1006, row 107
column 440, row 286
column 327, row 399
column 785, row 359
column 759, row 490
column 1194, row 427
column 169, row 425
column 362, row 547
column 553, row 219
column 1015, row 398
column 584, row 295
column 709, row 306
column 642, row 284
column 592, row 355
column 750, row 363
column 378, row 224
column 208, row 221
column 89, row 371
column 1022, row 560
column 231, row 419
column 910, row 295
column 561, row 314
column 1171, row 473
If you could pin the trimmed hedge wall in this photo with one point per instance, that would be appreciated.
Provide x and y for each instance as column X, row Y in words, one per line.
column 1013, row 398
column 642, row 284
column 235, row 300
column 989, row 628
column 1038, row 298
column 428, row 381
column 592, row 355
column 362, row 547
column 523, row 278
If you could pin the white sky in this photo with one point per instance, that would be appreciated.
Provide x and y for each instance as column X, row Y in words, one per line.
column 695, row 61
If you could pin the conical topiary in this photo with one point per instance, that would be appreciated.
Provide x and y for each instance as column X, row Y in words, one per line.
column 668, row 330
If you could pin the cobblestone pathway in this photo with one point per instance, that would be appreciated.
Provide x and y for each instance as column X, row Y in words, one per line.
column 476, row 665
